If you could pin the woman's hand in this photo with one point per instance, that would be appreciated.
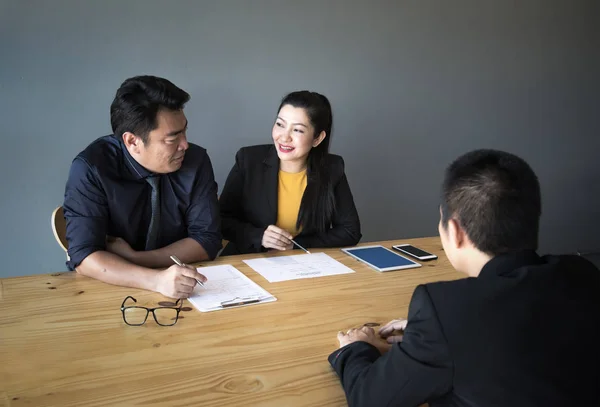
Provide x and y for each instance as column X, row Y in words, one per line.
column 277, row 238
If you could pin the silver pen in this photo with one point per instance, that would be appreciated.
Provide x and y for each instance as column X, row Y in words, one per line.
column 179, row 263
column 299, row 246
column 241, row 301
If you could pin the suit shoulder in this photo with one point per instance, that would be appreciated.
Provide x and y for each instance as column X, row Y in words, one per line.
column 196, row 149
column 335, row 159
column 101, row 151
column 255, row 154
column 447, row 289
column 573, row 268
column 336, row 165
column 196, row 160
column 196, row 152
column 252, row 151
column 571, row 262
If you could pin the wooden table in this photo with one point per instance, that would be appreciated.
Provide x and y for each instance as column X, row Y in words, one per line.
column 63, row 341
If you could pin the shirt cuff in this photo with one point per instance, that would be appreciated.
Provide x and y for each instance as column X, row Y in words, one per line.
column 355, row 347
column 209, row 244
column 75, row 257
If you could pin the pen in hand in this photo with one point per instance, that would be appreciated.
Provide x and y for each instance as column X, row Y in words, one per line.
column 179, row 263
column 294, row 242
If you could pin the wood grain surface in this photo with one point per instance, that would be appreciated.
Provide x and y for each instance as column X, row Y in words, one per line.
column 63, row 341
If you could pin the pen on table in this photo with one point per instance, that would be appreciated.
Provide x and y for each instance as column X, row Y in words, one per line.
column 179, row 263
column 299, row 246
column 226, row 304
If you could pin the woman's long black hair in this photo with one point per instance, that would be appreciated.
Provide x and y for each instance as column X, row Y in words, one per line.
column 318, row 202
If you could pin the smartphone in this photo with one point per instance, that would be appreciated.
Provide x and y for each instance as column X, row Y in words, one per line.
column 414, row 252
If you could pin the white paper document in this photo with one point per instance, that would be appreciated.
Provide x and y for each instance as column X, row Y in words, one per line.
column 227, row 287
column 284, row 268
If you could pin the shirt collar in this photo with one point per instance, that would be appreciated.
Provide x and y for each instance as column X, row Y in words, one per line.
column 137, row 170
column 505, row 264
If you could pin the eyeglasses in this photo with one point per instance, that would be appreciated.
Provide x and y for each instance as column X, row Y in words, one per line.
column 164, row 316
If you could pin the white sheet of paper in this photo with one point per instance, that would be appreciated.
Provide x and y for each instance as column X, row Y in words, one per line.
column 283, row 268
column 226, row 283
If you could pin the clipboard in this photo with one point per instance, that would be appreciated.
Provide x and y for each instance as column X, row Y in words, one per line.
column 227, row 287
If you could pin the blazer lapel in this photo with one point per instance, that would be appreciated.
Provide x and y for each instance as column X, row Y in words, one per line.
column 271, row 171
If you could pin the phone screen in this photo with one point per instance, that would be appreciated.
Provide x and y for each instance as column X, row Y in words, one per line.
column 414, row 251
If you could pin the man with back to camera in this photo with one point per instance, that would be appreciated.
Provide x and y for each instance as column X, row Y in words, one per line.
column 519, row 331
column 142, row 194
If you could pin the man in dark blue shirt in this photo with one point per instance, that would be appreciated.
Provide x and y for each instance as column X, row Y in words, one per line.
column 138, row 196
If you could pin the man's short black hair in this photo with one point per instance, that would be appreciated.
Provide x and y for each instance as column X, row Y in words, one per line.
column 495, row 197
column 139, row 100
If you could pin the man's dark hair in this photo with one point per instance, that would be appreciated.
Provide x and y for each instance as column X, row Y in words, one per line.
column 495, row 197
column 139, row 100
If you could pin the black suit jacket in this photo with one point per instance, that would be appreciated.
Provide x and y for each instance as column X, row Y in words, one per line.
column 249, row 203
column 526, row 332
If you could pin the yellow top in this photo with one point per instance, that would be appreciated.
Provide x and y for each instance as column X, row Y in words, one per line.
column 291, row 189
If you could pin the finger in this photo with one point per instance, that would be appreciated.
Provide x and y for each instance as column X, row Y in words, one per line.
column 391, row 323
column 189, row 272
column 280, row 232
column 386, row 329
column 268, row 233
column 274, row 244
column 193, row 273
column 278, row 239
column 397, row 326
column 185, row 281
column 340, row 335
column 267, row 243
column 201, row 277
column 185, row 288
column 400, row 324
column 182, row 294
column 368, row 330
column 395, row 339
column 394, row 325
column 267, row 238
column 284, row 239
column 274, row 230
column 284, row 233
column 273, row 240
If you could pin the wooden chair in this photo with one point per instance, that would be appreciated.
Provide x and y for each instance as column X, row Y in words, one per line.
column 223, row 242
column 59, row 227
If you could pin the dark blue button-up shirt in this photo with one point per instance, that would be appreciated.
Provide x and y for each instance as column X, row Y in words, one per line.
column 107, row 194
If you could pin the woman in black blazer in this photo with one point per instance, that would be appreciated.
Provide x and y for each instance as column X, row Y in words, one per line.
column 291, row 189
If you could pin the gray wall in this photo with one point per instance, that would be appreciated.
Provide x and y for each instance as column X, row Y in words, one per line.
column 413, row 84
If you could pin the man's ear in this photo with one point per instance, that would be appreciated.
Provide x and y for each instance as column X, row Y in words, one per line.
column 456, row 234
column 132, row 142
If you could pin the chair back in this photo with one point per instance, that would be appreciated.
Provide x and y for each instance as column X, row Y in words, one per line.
column 59, row 227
